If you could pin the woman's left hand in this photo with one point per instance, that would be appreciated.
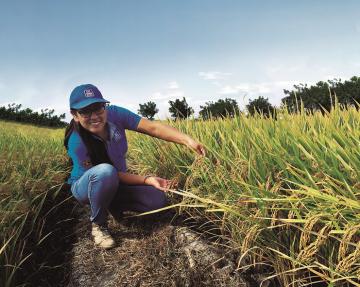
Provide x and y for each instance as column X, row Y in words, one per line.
column 159, row 182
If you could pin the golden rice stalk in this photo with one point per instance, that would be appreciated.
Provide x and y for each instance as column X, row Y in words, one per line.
column 345, row 240
column 308, row 227
column 250, row 237
column 348, row 263
column 274, row 214
column 291, row 215
column 309, row 251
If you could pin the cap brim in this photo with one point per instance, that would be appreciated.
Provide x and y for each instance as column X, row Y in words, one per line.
column 88, row 102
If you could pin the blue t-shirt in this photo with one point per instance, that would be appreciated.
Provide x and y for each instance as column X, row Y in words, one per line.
column 118, row 119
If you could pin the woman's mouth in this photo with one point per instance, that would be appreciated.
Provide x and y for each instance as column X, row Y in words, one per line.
column 95, row 124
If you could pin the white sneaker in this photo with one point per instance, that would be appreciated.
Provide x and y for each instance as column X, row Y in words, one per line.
column 102, row 236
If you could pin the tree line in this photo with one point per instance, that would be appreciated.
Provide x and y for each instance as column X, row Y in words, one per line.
column 320, row 96
column 46, row 117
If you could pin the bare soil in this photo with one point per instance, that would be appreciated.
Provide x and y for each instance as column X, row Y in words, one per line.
column 156, row 250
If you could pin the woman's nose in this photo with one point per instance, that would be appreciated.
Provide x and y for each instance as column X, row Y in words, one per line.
column 94, row 116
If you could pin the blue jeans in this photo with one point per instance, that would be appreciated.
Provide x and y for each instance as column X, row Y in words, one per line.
column 100, row 187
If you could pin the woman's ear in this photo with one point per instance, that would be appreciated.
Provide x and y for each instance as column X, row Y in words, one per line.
column 75, row 116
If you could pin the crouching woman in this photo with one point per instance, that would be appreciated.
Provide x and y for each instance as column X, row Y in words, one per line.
column 97, row 145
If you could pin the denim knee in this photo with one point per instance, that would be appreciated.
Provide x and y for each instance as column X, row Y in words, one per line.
column 106, row 174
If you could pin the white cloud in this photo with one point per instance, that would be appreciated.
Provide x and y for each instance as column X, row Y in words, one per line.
column 168, row 94
column 218, row 84
column 276, row 68
column 158, row 96
column 228, row 90
column 172, row 91
column 213, row 75
column 173, row 85
column 268, row 89
column 248, row 88
column 244, row 91
column 310, row 70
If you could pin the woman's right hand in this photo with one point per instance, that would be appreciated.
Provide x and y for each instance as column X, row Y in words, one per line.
column 159, row 183
column 196, row 146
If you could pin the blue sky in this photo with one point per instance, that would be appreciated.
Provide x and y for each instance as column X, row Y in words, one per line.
column 137, row 51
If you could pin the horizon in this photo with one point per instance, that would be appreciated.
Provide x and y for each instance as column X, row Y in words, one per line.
column 192, row 116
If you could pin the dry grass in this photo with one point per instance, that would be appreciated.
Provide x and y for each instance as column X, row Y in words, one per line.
column 151, row 251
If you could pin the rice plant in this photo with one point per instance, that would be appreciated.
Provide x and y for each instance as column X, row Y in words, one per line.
column 285, row 191
column 32, row 168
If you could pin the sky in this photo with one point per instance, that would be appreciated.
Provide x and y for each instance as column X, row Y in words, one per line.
column 159, row 50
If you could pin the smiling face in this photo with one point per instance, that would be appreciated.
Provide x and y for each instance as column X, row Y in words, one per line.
column 92, row 118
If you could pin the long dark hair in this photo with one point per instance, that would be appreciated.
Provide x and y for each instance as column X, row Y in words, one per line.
column 95, row 147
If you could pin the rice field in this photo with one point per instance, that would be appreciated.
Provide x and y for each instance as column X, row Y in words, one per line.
column 285, row 193
column 33, row 165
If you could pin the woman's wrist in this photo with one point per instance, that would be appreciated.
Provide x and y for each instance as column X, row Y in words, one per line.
column 187, row 140
column 146, row 177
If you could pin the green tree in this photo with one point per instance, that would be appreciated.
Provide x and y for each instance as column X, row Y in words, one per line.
column 47, row 118
column 321, row 96
column 317, row 97
column 148, row 110
column 261, row 106
column 179, row 109
column 221, row 108
column 348, row 92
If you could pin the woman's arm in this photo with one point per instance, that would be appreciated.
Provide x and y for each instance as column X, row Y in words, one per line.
column 134, row 179
column 170, row 134
column 131, row 179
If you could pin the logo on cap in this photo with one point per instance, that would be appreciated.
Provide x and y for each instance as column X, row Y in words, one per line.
column 89, row 93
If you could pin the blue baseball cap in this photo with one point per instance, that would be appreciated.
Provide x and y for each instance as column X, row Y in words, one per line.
column 85, row 95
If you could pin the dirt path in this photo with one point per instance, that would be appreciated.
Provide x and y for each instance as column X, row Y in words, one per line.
column 159, row 250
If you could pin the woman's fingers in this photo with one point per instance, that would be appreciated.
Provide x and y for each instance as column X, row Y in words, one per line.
column 168, row 183
column 198, row 147
column 201, row 150
column 164, row 183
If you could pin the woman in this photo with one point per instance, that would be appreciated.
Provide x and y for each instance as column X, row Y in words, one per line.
column 96, row 143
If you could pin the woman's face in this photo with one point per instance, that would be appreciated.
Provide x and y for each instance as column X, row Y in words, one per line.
column 92, row 118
